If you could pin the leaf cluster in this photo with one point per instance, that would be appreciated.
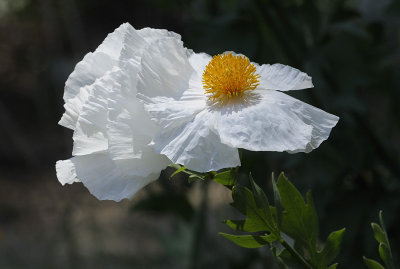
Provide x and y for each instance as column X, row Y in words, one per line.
column 385, row 252
column 290, row 227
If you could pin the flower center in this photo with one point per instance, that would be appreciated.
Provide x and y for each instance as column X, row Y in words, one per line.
column 227, row 76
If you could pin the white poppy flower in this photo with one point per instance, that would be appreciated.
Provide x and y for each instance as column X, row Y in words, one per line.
column 208, row 107
column 113, row 156
column 197, row 111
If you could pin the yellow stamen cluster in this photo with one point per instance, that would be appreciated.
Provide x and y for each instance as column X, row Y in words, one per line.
column 227, row 76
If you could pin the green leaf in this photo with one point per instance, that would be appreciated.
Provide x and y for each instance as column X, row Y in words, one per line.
column 250, row 241
column 333, row 266
column 379, row 234
column 193, row 178
column 371, row 264
column 180, row 169
column 287, row 258
column 299, row 220
column 225, row 178
column 278, row 202
column 278, row 260
column 331, row 248
column 244, row 201
column 263, row 204
column 384, row 253
column 247, row 225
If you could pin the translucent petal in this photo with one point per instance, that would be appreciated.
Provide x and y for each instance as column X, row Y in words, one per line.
column 129, row 128
column 66, row 172
column 92, row 67
column 122, row 48
column 195, row 146
column 271, row 121
column 283, row 78
column 90, row 134
column 165, row 70
column 111, row 180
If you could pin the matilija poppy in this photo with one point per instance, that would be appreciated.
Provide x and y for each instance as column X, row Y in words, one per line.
column 142, row 100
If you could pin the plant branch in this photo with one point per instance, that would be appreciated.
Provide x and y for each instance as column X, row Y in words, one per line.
column 295, row 254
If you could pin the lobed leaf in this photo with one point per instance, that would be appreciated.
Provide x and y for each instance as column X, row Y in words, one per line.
column 262, row 203
column 299, row 220
column 225, row 178
column 250, row 241
column 244, row 201
column 246, row 225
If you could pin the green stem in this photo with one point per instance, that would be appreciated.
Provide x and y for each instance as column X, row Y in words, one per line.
column 295, row 254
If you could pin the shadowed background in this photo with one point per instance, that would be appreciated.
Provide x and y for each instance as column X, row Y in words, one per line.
column 351, row 48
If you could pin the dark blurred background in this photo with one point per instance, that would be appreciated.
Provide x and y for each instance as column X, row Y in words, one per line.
column 351, row 48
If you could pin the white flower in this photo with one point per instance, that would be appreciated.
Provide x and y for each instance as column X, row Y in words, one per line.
column 208, row 107
column 112, row 131
column 142, row 100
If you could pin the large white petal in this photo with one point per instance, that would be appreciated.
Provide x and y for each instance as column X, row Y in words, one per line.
column 283, row 78
column 165, row 70
column 90, row 134
column 195, row 146
column 111, row 180
column 129, row 128
column 92, row 67
column 272, row 121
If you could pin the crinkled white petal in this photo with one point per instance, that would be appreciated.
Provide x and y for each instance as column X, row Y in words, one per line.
column 90, row 134
column 130, row 130
column 92, row 67
column 282, row 78
column 66, row 172
column 164, row 86
column 195, row 146
column 111, row 180
column 124, row 45
column 271, row 121
column 165, row 70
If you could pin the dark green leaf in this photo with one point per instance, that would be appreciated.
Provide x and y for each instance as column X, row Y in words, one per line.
column 379, row 234
column 299, row 220
column 384, row 253
column 371, row 264
column 250, row 241
column 247, row 225
column 278, row 260
column 287, row 258
column 278, row 203
column 243, row 200
column 225, row 178
column 331, row 248
column 333, row 266
column 263, row 204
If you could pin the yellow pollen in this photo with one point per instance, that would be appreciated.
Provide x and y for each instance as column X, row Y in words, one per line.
column 227, row 76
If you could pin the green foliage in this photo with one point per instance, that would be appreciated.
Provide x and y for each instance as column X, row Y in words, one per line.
column 250, row 241
column 225, row 178
column 193, row 175
column 290, row 217
column 384, row 250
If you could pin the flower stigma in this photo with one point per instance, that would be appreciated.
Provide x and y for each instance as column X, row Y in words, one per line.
column 228, row 76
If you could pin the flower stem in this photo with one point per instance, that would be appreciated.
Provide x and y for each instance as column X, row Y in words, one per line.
column 295, row 254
